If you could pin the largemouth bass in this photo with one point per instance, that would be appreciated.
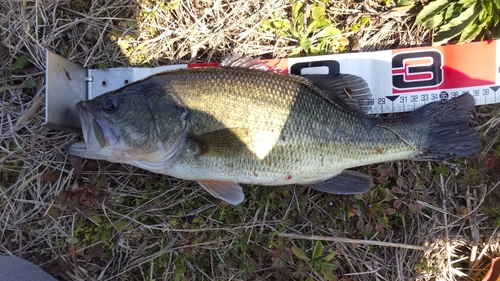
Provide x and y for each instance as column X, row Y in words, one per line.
column 221, row 126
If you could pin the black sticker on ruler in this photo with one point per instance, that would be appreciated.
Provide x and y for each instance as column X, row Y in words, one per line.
column 444, row 95
column 333, row 66
column 495, row 88
column 392, row 98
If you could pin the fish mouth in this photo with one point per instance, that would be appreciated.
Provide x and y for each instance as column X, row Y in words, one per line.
column 97, row 132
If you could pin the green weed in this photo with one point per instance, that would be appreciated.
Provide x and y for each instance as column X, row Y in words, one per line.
column 470, row 19
column 311, row 27
column 320, row 264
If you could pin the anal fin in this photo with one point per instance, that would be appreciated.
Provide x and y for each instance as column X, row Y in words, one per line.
column 230, row 192
column 347, row 182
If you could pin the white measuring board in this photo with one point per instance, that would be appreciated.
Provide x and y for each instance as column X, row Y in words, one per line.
column 405, row 79
column 400, row 80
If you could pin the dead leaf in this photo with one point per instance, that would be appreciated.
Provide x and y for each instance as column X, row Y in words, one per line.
column 93, row 190
column 95, row 251
column 92, row 201
column 59, row 267
column 72, row 202
column 397, row 203
column 77, row 163
column 383, row 180
column 418, row 208
column 390, row 211
column 368, row 228
column 427, row 198
column 32, row 70
column 360, row 225
column 62, row 197
column 50, row 176
column 395, row 190
column 101, row 198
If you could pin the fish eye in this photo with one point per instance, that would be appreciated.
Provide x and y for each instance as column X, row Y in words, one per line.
column 109, row 104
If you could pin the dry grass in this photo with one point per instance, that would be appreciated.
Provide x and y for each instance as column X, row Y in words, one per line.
column 148, row 222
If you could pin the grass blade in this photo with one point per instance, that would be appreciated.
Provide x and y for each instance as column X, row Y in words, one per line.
column 431, row 10
column 466, row 3
column 470, row 32
column 456, row 25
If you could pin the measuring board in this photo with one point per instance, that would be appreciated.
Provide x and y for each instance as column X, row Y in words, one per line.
column 400, row 80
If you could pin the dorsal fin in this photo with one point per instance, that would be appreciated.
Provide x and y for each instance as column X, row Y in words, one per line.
column 351, row 89
column 244, row 61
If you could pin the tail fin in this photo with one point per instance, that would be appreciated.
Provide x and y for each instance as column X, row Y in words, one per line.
column 449, row 132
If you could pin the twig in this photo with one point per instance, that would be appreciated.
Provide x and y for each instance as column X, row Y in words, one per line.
column 446, row 233
column 474, row 231
column 485, row 248
column 354, row 241
column 13, row 87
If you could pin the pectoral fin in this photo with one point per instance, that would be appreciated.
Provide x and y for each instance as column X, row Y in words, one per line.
column 347, row 182
column 230, row 192
column 220, row 142
column 232, row 141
